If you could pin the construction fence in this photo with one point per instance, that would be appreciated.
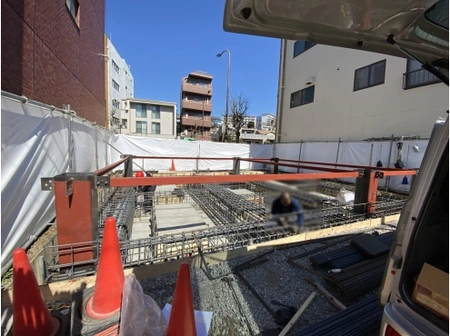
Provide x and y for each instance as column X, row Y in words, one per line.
column 39, row 140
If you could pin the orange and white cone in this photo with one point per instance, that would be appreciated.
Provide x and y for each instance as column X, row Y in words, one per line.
column 30, row 313
column 107, row 298
column 182, row 318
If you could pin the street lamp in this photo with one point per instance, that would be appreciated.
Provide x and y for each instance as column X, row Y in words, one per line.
column 228, row 89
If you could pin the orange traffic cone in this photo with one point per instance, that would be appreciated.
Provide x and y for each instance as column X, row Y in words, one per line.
column 172, row 167
column 30, row 314
column 182, row 320
column 107, row 297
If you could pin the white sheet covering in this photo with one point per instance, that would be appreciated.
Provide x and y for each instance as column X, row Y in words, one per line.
column 163, row 147
column 35, row 144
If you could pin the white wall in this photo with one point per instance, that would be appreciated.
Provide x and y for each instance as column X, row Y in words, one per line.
column 337, row 111
column 123, row 77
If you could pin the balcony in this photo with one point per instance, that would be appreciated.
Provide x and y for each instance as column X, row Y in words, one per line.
column 418, row 78
column 193, row 105
column 257, row 137
column 196, row 121
column 206, row 136
column 193, row 88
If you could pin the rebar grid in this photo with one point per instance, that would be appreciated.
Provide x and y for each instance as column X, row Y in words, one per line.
column 121, row 205
column 240, row 218
column 222, row 202
column 166, row 248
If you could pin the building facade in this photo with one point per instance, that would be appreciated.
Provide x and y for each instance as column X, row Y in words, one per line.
column 149, row 118
column 255, row 120
column 327, row 93
column 196, row 107
column 120, row 84
column 53, row 52
column 268, row 122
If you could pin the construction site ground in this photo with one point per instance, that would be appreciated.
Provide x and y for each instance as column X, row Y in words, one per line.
column 236, row 310
column 275, row 279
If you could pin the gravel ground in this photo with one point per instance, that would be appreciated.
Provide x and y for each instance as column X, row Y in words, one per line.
column 274, row 279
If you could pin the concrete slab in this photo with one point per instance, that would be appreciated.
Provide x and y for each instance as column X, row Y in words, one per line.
column 175, row 218
column 165, row 188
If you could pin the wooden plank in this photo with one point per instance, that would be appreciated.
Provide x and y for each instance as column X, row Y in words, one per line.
column 297, row 315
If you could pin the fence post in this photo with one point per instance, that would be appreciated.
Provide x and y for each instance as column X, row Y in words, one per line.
column 337, row 152
column 96, row 146
column 236, row 166
column 300, row 154
column 275, row 167
column 386, row 182
column 69, row 137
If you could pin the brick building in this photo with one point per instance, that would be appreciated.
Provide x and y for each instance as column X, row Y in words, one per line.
column 52, row 52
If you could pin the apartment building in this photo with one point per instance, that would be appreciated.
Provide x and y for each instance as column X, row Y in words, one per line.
column 268, row 122
column 195, row 105
column 252, row 120
column 53, row 52
column 327, row 93
column 149, row 118
column 120, row 84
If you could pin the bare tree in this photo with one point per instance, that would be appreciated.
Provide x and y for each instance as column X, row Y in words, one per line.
column 240, row 104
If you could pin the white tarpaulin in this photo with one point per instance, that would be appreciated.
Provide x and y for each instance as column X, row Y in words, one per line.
column 35, row 144
column 144, row 146
column 263, row 152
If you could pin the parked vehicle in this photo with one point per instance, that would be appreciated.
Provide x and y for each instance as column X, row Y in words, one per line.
column 415, row 287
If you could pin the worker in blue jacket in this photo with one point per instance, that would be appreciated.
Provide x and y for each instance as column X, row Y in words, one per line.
column 286, row 205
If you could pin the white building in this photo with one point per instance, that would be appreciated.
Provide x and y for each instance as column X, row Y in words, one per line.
column 120, row 83
column 256, row 120
column 268, row 122
column 149, row 118
column 329, row 93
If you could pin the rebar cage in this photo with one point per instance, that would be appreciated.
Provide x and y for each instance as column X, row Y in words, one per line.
column 239, row 213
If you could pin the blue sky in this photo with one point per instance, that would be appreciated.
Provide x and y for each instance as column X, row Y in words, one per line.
column 165, row 40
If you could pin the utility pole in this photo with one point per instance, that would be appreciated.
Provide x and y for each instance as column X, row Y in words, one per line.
column 228, row 90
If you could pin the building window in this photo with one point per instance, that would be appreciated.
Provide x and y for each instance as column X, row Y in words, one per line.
column 156, row 111
column 124, row 123
column 156, row 128
column 74, row 8
column 301, row 46
column 370, row 75
column 115, row 66
column 115, row 85
column 141, row 111
column 302, row 97
column 141, row 127
column 116, row 103
column 416, row 76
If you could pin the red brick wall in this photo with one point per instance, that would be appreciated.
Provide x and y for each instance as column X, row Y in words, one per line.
column 48, row 58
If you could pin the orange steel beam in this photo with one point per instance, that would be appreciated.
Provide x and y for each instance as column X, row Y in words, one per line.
column 145, row 181
column 298, row 166
column 398, row 172
column 110, row 167
column 180, row 158
column 331, row 164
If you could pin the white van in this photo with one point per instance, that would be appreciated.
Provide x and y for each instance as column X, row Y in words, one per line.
column 415, row 287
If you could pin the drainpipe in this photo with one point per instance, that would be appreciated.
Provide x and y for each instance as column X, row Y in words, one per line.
column 280, row 95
